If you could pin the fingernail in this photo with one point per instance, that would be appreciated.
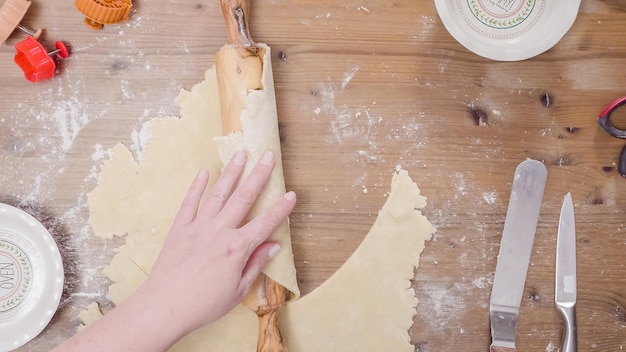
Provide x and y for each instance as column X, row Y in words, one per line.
column 274, row 250
column 202, row 175
column 239, row 158
column 267, row 158
column 291, row 195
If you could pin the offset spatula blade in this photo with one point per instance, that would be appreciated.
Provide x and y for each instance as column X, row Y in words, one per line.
column 515, row 249
column 565, row 285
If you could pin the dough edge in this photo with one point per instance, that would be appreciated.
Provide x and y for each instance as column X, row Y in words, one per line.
column 305, row 322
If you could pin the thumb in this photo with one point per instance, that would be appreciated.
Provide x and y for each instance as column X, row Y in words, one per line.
column 261, row 255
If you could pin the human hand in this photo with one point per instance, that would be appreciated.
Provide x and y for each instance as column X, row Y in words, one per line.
column 209, row 260
column 207, row 265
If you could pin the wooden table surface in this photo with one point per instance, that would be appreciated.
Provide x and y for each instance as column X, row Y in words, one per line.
column 361, row 86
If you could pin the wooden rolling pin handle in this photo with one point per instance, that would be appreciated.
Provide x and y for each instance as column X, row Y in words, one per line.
column 270, row 338
column 276, row 296
column 235, row 14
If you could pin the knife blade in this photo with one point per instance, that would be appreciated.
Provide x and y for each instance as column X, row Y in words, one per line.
column 565, row 284
column 515, row 249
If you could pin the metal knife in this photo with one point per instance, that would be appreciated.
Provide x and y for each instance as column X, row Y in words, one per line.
column 565, row 285
column 515, row 249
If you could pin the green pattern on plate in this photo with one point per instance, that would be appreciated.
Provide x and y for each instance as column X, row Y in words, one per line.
column 502, row 23
column 15, row 275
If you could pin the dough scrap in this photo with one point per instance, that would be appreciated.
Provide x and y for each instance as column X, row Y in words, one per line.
column 367, row 305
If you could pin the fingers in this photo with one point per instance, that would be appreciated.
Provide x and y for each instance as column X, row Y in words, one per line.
column 238, row 205
column 223, row 187
column 252, row 236
column 261, row 227
column 189, row 206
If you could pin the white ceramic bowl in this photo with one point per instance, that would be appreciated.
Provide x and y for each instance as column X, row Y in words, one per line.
column 508, row 30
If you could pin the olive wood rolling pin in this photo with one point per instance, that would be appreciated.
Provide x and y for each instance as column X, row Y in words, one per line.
column 239, row 66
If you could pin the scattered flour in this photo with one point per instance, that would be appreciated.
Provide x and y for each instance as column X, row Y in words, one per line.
column 459, row 183
column 140, row 138
column 490, row 197
column 443, row 301
column 483, row 282
column 61, row 111
column 361, row 125
column 70, row 116
column 99, row 154
column 349, row 124
column 348, row 75
column 328, row 19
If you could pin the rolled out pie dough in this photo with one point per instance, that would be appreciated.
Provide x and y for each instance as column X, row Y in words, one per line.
column 367, row 305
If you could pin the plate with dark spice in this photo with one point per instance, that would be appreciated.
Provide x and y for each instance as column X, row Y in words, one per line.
column 31, row 277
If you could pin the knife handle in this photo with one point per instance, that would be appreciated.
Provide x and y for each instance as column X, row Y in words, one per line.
column 501, row 349
column 569, row 341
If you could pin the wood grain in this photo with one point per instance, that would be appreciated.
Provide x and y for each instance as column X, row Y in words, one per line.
column 240, row 68
column 361, row 87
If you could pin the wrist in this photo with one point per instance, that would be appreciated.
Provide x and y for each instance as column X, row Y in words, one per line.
column 151, row 307
column 145, row 322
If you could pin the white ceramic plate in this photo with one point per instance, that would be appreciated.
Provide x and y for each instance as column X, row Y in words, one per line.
column 508, row 30
column 31, row 277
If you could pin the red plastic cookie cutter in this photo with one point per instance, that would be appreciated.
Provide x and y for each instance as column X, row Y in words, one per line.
column 33, row 59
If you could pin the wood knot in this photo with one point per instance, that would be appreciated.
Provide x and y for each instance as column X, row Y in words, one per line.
column 119, row 66
column 597, row 201
column 547, row 100
column 282, row 56
column 479, row 115
column 619, row 313
column 607, row 170
column 601, row 196
column 534, row 295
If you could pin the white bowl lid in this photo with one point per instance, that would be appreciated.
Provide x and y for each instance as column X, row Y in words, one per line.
column 507, row 30
column 31, row 277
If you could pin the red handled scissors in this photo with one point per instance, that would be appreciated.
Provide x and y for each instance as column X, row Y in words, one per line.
column 604, row 120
